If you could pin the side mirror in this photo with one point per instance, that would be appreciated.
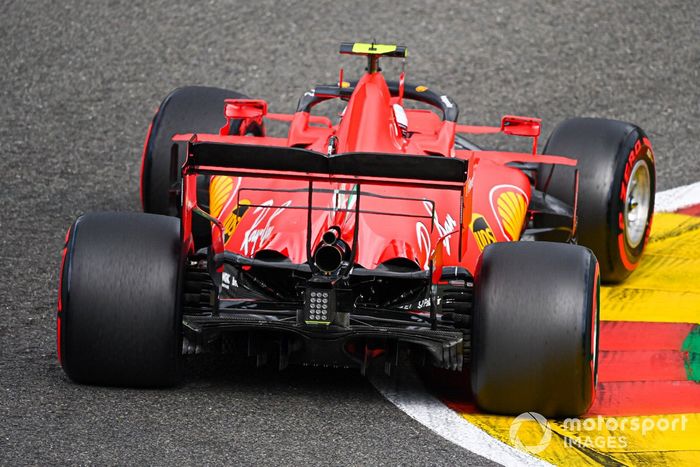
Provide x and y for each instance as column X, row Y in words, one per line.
column 521, row 126
column 244, row 108
column 247, row 110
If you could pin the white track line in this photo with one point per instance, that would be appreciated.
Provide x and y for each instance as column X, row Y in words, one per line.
column 677, row 198
column 409, row 395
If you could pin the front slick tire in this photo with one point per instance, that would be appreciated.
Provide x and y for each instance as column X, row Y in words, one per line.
column 119, row 320
column 617, row 182
column 190, row 109
column 535, row 329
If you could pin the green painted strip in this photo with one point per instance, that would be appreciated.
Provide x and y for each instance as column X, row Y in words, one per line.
column 692, row 341
column 692, row 367
column 691, row 344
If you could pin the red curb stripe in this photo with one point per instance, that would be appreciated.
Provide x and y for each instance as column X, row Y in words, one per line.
column 642, row 365
column 462, row 407
column 628, row 335
column 646, row 398
column 690, row 210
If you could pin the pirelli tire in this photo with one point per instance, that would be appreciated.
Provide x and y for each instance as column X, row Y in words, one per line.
column 190, row 109
column 535, row 329
column 616, row 188
column 119, row 309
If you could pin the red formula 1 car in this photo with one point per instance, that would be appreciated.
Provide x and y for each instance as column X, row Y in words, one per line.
column 380, row 238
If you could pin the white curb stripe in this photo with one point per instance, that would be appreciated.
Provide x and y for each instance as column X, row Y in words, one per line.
column 677, row 198
column 410, row 396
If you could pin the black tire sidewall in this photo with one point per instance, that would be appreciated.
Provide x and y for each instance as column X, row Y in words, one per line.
column 121, row 286
column 533, row 335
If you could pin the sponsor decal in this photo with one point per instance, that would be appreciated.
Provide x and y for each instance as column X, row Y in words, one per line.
column 509, row 205
column 220, row 191
column 446, row 100
column 342, row 200
column 421, row 88
column 635, row 154
column 257, row 234
column 448, row 226
column 228, row 281
column 424, row 241
column 443, row 228
column 631, row 159
column 483, row 234
column 234, row 218
column 423, row 304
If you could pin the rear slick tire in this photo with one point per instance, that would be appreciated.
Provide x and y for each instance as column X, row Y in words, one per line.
column 120, row 318
column 534, row 332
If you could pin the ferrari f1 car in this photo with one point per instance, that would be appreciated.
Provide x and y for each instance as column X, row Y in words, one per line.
column 382, row 237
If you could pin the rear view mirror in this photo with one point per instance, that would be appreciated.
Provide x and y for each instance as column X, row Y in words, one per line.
column 244, row 108
column 521, row 126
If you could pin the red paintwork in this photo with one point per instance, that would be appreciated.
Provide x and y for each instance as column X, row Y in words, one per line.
column 59, row 304
column 510, row 125
column 249, row 110
column 369, row 125
column 143, row 163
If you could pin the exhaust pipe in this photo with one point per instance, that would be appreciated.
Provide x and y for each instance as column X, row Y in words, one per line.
column 330, row 237
column 329, row 255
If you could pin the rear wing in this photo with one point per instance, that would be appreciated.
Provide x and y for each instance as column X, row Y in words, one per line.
column 301, row 164
column 208, row 155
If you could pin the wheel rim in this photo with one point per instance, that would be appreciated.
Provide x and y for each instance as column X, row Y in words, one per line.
column 637, row 203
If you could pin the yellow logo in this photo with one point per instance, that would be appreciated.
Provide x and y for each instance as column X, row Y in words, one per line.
column 421, row 88
column 220, row 189
column 511, row 209
column 232, row 221
column 482, row 232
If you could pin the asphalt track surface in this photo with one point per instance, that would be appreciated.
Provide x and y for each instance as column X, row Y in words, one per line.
column 79, row 82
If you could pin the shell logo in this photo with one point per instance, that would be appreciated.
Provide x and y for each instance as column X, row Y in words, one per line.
column 220, row 189
column 509, row 204
column 221, row 192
